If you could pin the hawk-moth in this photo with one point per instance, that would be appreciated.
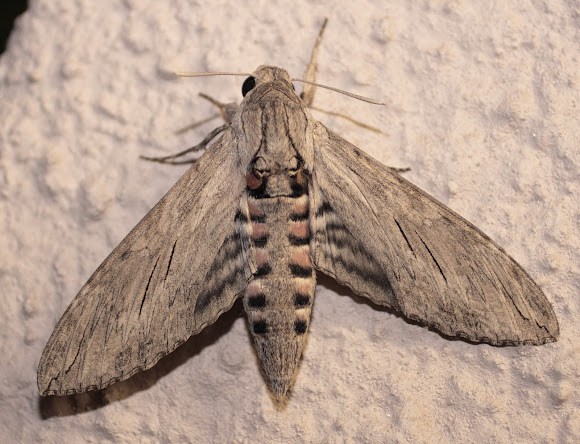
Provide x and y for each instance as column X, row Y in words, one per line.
column 277, row 197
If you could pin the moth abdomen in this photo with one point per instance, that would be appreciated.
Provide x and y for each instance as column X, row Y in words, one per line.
column 257, row 301
column 279, row 296
column 302, row 300
column 300, row 327
column 260, row 327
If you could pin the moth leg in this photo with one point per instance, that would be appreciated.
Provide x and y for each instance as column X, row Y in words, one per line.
column 226, row 111
column 200, row 146
column 307, row 94
column 196, row 124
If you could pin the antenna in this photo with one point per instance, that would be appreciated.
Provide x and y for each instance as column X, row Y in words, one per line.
column 245, row 74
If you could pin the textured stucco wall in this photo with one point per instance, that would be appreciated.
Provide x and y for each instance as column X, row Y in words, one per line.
column 482, row 105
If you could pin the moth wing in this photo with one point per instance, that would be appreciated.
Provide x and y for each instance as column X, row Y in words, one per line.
column 390, row 241
column 174, row 273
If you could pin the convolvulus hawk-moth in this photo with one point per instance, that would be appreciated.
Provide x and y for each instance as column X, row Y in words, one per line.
column 275, row 198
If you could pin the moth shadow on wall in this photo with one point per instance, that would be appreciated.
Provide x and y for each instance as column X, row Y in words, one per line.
column 52, row 406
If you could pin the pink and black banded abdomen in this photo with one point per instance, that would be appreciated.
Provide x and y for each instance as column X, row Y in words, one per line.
column 278, row 300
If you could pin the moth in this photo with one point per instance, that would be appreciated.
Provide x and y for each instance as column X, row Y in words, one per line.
column 277, row 197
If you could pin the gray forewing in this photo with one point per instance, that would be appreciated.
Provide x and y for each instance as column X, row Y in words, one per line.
column 175, row 273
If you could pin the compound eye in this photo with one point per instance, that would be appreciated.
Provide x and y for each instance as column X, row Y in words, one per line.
column 248, row 85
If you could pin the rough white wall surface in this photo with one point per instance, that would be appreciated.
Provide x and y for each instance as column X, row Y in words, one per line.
column 483, row 105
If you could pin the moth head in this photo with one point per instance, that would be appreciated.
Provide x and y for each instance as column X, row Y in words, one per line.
column 270, row 74
column 267, row 74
